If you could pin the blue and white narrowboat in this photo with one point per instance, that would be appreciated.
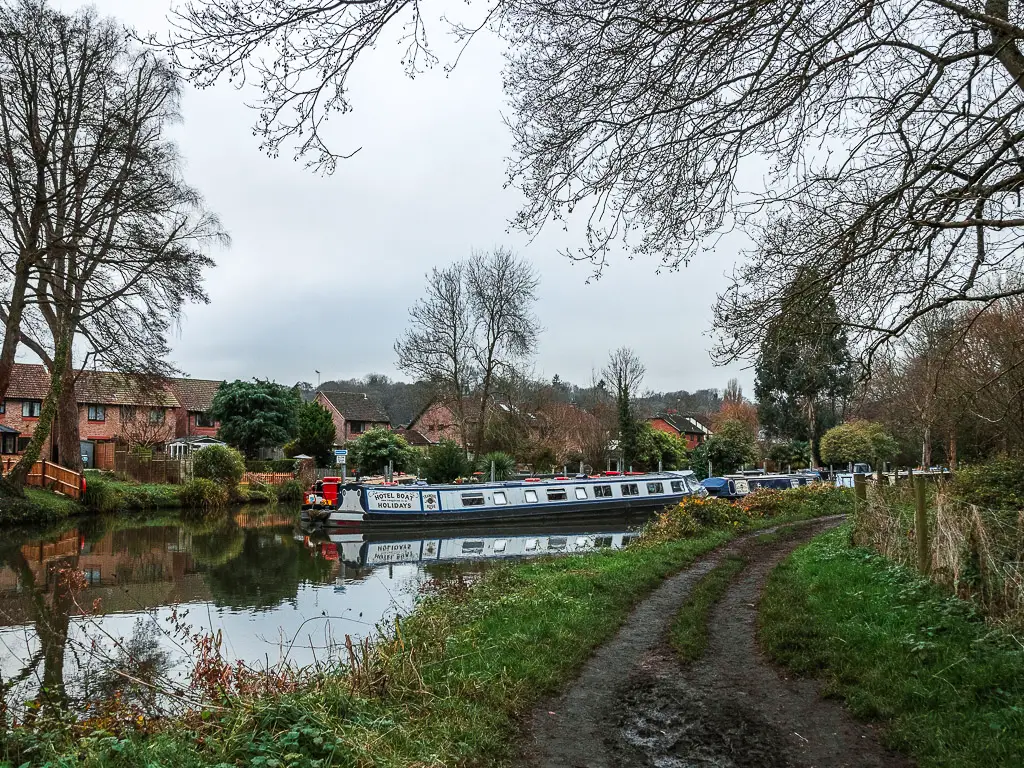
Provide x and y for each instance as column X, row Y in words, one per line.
column 334, row 503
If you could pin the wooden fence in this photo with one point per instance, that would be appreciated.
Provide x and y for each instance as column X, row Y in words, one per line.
column 152, row 468
column 46, row 474
column 267, row 478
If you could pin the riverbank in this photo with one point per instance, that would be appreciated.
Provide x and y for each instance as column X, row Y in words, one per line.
column 948, row 686
column 448, row 685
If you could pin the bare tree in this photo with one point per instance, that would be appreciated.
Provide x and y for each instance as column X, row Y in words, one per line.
column 475, row 325
column 116, row 238
column 891, row 131
column 437, row 345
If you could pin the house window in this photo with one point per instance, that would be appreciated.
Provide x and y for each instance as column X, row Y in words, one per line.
column 97, row 413
column 557, row 494
column 655, row 488
column 30, row 409
column 92, row 575
column 204, row 419
column 499, row 498
column 3, row 406
column 531, row 496
column 581, row 492
column 472, row 500
column 23, row 443
column 630, row 489
column 602, row 491
column 677, row 486
column 357, row 427
column 156, row 415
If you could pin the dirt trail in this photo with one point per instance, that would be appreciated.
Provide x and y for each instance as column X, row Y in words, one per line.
column 635, row 705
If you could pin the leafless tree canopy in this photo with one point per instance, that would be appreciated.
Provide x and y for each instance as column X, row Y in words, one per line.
column 625, row 372
column 102, row 240
column 473, row 327
column 889, row 129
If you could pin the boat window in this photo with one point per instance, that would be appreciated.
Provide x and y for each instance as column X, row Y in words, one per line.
column 557, row 494
column 472, row 547
column 602, row 491
column 531, row 496
column 499, row 498
column 655, row 487
column 677, row 486
column 629, row 539
column 499, row 545
column 531, row 545
column 602, row 541
column 630, row 489
column 557, row 542
column 581, row 492
column 472, row 500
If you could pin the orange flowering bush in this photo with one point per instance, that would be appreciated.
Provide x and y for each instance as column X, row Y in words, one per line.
column 693, row 515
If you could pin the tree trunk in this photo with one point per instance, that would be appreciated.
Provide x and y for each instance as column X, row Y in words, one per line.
column 68, row 442
column 952, row 451
column 812, row 430
column 926, row 447
column 12, row 328
column 18, row 475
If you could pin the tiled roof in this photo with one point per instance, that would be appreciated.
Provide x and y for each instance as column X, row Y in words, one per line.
column 356, row 406
column 195, row 394
column 686, row 425
column 413, row 437
column 116, row 389
column 32, row 382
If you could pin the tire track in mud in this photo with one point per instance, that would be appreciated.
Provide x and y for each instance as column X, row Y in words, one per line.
column 634, row 705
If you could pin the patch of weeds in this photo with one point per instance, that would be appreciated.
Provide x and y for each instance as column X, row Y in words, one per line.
column 949, row 687
column 689, row 632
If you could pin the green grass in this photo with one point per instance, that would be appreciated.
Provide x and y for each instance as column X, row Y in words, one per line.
column 689, row 632
column 949, row 687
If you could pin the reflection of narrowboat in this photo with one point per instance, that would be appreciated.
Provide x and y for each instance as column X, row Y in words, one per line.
column 332, row 502
column 366, row 551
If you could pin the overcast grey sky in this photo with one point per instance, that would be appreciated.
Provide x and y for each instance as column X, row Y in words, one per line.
column 321, row 271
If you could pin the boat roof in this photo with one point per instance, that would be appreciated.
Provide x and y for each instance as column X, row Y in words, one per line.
column 603, row 478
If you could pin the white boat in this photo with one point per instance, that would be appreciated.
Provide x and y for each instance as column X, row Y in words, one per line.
column 334, row 503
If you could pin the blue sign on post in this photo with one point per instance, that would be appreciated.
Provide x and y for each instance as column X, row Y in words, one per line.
column 339, row 455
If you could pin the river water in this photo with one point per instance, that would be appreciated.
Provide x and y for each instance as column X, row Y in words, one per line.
column 86, row 609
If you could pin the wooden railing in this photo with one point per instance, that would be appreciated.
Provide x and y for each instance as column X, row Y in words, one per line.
column 267, row 478
column 46, row 474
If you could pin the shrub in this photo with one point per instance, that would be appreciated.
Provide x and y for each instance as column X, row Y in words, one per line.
column 446, row 462
column 257, row 465
column 100, row 496
column 282, row 465
column 996, row 484
column 203, row 493
column 504, row 465
column 225, row 466
column 290, row 490
column 260, row 492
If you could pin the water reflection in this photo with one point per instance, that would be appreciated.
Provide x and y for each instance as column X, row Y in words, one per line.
column 105, row 609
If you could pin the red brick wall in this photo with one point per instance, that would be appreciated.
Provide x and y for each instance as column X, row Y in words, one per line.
column 110, row 428
column 691, row 440
column 185, row 425
column 337, row 418
column 438, row 423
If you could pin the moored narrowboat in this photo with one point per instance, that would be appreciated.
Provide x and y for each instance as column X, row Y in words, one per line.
column 335, row 503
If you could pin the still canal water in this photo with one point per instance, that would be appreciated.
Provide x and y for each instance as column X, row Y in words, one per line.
column 270, row 589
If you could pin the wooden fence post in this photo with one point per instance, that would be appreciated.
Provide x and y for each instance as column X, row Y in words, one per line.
column 860, row 491
column 921, row 525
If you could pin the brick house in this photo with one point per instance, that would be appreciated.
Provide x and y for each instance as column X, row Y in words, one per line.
column 436, row 422
column 111, row 408
column 353, row 414
column 195, row 399
column 688, row 428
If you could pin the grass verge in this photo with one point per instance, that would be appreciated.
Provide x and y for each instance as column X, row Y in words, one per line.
column 949, row 687
column 689, row 632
